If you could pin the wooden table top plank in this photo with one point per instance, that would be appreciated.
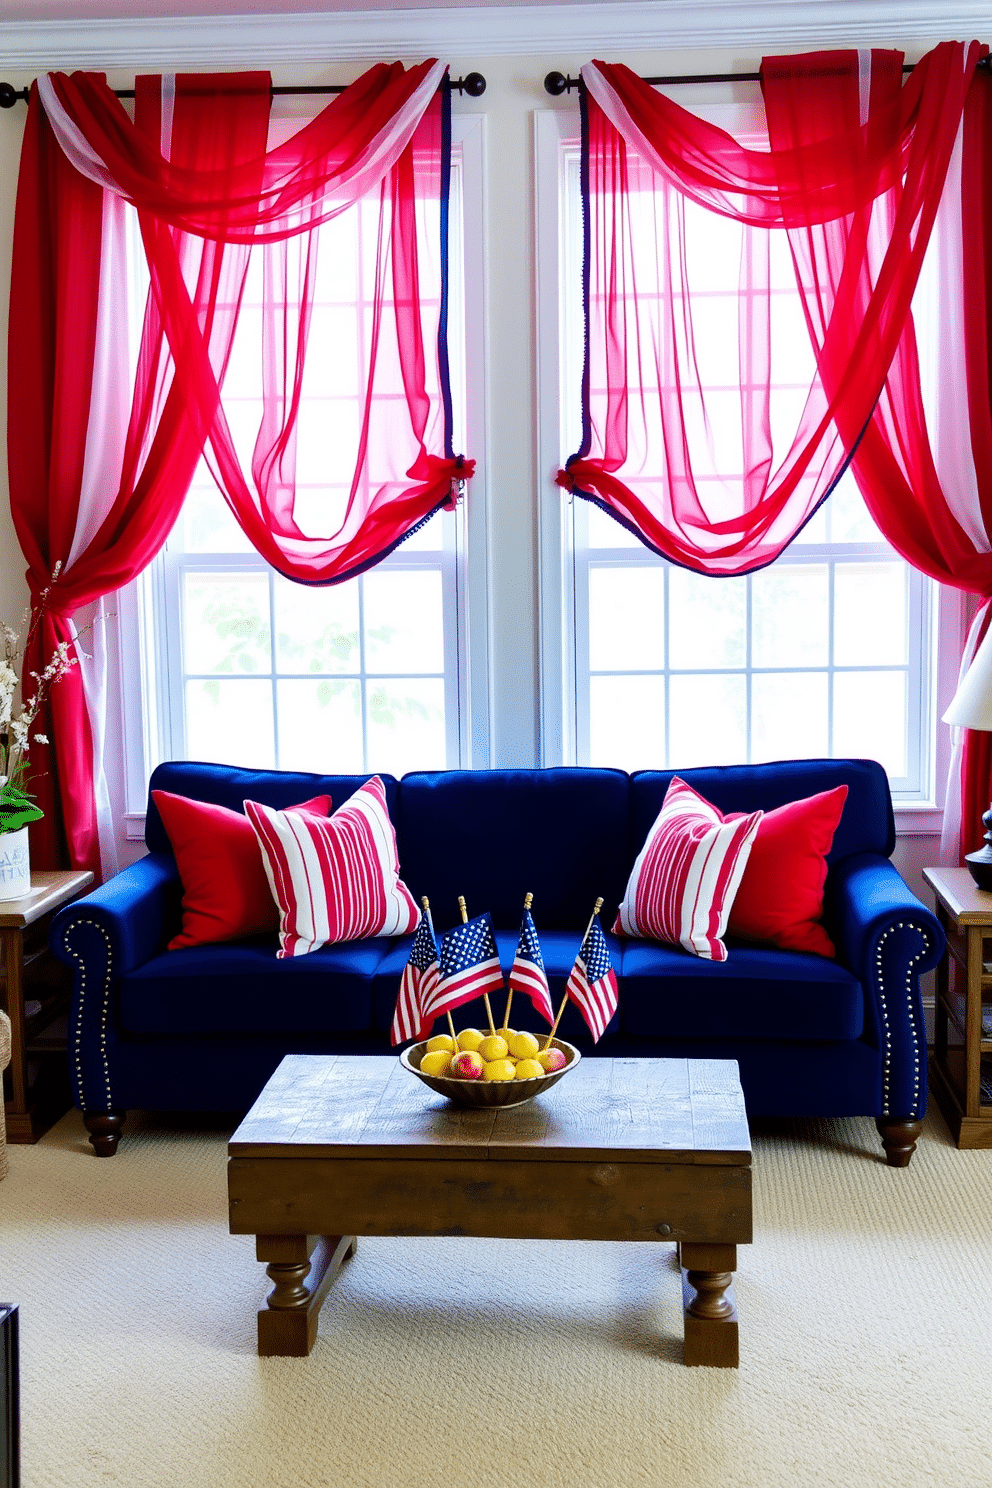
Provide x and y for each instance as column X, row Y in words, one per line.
column 50, row 888
column 649, row 1110
column 965, row 901
column 718, row 1113
column 419, row 1118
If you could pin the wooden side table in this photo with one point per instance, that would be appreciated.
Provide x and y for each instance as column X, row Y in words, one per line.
column 961, row 1067
column 34, row 1021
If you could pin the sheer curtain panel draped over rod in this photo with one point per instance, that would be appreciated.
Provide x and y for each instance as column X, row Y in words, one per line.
column 857, row 170
column 102, row 452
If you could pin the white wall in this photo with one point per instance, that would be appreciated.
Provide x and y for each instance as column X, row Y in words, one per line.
column 514, row 76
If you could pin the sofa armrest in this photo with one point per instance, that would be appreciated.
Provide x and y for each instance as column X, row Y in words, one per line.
column 888, row 938
column 137, row 910
column 102, row 936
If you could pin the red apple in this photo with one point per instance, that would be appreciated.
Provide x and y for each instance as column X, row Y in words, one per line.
column 551, row 1060
column 467, row 1065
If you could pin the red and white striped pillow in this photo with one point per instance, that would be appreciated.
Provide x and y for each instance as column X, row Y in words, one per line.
column 334, row 878
column 682, row 886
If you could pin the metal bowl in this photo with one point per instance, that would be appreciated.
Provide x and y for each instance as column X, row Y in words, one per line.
column 489, row 1092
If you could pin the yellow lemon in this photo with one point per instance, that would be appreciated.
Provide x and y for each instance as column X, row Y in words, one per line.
column 436, row 1062
column 469, row 1038
column 493, row 1047
column 524, row 1045
column 528, row 1069
column 509, row 1034
column 498, row 1069
column 441, row 1041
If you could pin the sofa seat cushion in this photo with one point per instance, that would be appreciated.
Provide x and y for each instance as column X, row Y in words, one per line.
column 757, row 993
column 244, row 987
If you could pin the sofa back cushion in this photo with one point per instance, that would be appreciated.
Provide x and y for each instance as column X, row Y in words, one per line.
column 231, row 785
column 495, row 835
column 866, row 823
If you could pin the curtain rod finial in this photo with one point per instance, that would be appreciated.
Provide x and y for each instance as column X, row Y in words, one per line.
column 556, row 83
column 474, row 84
column 9, row 95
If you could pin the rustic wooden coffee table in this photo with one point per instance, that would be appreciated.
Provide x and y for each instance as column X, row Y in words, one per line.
column 621, row 1149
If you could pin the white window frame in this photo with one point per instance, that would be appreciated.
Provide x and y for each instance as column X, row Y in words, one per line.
column 146, row 731
column 560, row 623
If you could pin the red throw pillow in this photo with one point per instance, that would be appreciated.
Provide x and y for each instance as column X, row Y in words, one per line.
column 226, row 892
column 780, row 898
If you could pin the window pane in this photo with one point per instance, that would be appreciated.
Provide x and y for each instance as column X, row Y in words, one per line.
column 789, row 716
column 320, row 726
column 316, row 629
column 207, row 524
column 708, row 721
column 790, row 615
column 627, row 722
column 226, row 623
column 626, row 618
column 403, row 622
column 870, row 718
column 230, row 722
column 871, row 614
column 850, row 520
column 429, row 537
column 605, row 531
column 815, row 530
column 406, row 724
column 708, row 618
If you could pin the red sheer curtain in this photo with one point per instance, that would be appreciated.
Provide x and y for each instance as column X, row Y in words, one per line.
column 195, row 165
column 854, row 173
column 939, row 519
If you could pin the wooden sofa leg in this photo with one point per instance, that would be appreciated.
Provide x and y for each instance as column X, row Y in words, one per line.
column 899, row 1137
column 104, row 1128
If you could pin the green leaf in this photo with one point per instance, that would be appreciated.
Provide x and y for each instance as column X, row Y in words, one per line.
column 16, row 808
column 12, row 820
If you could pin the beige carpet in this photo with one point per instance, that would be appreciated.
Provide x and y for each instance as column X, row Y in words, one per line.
column 866, row 1336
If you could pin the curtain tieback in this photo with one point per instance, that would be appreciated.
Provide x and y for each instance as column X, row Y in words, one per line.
column 462, row 471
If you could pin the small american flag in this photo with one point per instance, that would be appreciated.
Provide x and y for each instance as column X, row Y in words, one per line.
column 419, row 980
column 469, row 967
column 527, row 973
column 592, row 982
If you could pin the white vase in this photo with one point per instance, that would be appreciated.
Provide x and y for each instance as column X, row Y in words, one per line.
column 15, row 864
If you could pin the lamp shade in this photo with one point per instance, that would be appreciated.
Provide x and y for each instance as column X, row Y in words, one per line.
column 971, row 705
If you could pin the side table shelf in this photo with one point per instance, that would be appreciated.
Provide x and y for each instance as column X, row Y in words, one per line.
column 35, row 994
column 961, row 1067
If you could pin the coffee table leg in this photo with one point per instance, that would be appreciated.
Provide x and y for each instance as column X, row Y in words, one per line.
column 301, row 1268
column 708, row 1304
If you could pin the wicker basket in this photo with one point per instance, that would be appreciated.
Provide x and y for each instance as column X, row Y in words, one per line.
column 490, row 1092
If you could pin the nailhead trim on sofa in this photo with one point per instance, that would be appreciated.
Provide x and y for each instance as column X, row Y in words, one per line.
column 82, row 991
column 913, row 1018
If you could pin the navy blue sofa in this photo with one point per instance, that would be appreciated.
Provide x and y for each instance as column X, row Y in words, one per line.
column 203, row 1028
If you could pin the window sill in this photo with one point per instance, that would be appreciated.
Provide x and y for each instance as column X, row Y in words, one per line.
column 918, row 819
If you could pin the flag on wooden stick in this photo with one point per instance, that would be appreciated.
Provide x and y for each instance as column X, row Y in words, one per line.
column 419, row 980
column 527, row 973
column 592, row 982
column 469, row 968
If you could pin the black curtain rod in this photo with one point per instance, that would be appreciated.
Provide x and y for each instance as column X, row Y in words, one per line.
column 474, row 84
column 556, row 83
